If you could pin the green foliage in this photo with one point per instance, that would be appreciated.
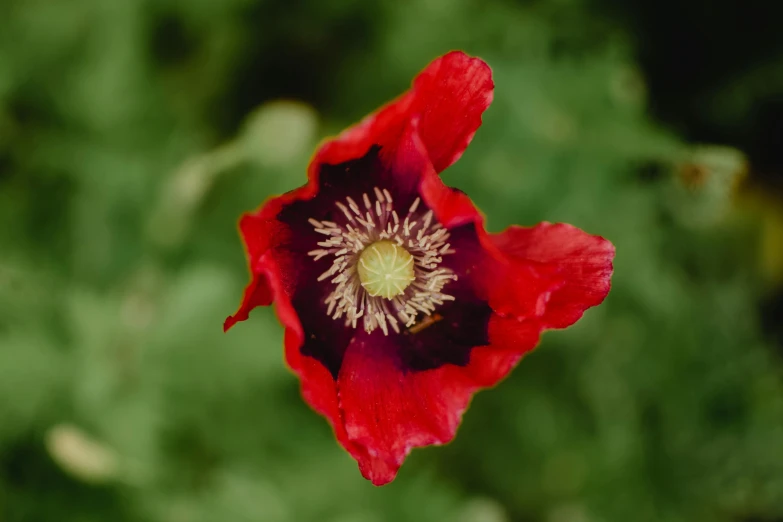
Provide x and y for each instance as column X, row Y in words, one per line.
column 132, row 135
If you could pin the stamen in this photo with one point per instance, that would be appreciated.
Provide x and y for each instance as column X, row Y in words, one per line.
column 385, row 269
column 353, row 206
column 345, row 211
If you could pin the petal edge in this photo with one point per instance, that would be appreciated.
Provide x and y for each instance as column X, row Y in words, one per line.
column 582, row 261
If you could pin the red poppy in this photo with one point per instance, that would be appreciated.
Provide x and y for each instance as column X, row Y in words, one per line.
column 397, row 304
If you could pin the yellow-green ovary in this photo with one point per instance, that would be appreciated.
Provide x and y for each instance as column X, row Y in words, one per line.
column 385, row 269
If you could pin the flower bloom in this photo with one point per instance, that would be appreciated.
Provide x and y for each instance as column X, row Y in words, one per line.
column 397, row 304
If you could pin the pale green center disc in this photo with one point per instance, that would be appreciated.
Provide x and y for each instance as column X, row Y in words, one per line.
column 385, row 269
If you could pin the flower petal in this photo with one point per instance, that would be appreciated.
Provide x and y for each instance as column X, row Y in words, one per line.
column 388, row 410
column 449, row 96
column 318, row 386
column 512, row 288
column 261, row 237
column 582, row 262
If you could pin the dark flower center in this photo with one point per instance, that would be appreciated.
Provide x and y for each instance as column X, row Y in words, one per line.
column 385, row 269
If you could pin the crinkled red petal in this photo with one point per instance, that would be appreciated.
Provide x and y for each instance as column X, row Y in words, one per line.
column 449, row 96
column 518, row 290
column 261, row 237
column 318, row 387
column 511, row 288
column 550, row 273
column 582, row 262
column 388, row 411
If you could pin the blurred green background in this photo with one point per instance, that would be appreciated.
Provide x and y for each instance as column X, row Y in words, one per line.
column 133, row 133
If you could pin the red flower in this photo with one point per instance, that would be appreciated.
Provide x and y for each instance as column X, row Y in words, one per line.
column 397, row 305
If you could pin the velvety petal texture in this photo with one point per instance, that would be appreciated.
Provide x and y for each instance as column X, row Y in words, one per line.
column 261, row 238
column 582, row 264
column 449, row 97
column 387, row 390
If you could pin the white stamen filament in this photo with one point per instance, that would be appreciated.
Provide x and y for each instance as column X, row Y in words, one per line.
column 423, row 238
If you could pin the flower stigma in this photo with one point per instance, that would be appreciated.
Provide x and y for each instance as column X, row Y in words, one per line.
column 385, row 268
